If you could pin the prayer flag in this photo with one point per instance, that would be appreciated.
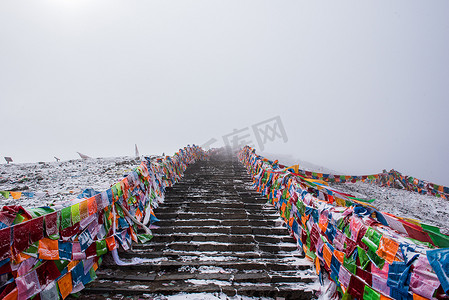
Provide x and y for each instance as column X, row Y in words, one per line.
column 65, row 285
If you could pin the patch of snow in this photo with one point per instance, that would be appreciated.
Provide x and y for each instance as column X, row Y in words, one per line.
column 53, row 182
column 206, row 296
column 259, row 284
column 201, row 243
column 212, row 269
column 216, row 258
column 427, row 209
column 138, row 287
column 206, row 282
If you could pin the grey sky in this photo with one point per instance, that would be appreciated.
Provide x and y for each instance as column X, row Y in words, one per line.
column 360, row 86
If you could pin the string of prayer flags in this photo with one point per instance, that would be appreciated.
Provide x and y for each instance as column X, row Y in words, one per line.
column 49, row 253
column 368, row 254
column 16, row 194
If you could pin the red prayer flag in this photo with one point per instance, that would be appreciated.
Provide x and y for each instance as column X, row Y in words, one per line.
column 356, row 287
column 47, row 272
column 21, row 237
column 5, row 243
column 36, row 229
column 51, row 224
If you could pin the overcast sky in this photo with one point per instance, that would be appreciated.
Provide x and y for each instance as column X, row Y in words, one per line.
column 359, row 85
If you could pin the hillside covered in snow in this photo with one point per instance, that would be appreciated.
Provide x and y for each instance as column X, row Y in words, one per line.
column 46, row 183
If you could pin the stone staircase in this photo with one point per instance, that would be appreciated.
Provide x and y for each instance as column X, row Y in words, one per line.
column 216, row 235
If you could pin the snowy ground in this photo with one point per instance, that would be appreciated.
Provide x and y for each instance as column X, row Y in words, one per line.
column 60, row 181
column 427, row 209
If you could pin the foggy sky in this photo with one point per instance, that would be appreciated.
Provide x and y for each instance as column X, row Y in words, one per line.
column 359, row 86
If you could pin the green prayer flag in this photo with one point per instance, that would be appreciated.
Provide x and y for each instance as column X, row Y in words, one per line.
column 19, row 219
column 66, row 217
column 362, row 200
column 39, row 211
column 308, row 241
column 311, row 254
column 376, row 259
column 287, row 211
column 107, row 222
column 132, row 200
column 430, row 228
column 264, row 178
column 5, row 194
column 348, row 231
column 340, row 223
column 363, row 257
column 114, row 192
column 440, row 240
column 350, row 264
column 370, row 294
column 284, row 194
column 372, row 239
column 418, row 242
column 101, row 247
column 119, row 189
column 301, row 207
column 75, row 213
column 119, row 211
column 92, row 273
column 144, row 238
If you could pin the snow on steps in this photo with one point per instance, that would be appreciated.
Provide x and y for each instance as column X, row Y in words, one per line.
column 216, row 235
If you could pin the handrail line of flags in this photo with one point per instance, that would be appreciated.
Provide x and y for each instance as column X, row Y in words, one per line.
column 386, row 178
column 368, row 254
column 51, row 252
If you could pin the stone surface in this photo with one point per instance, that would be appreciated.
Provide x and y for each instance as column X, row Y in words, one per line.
column 216, row 235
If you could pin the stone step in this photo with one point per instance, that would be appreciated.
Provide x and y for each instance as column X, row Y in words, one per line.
column 258, row 290
column 217, row 203
column 242, row 214
column 224, row 238
column 248, row 264
column 222, row 229
column 202, row 215
column 207, row 273
column 216, row 246
column 197, row 246
column 203, row 210
column 216, row 222
column 204, row 257
column 225, row 203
